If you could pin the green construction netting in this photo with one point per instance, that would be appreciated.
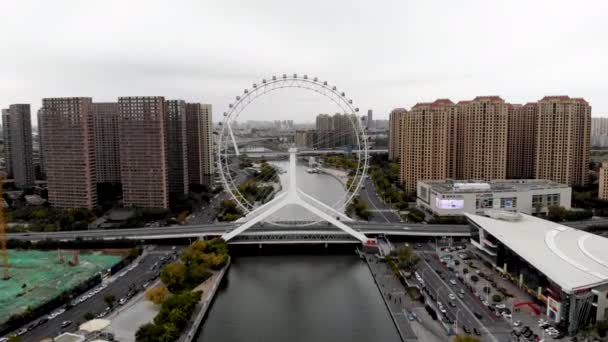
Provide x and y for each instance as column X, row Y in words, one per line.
column 45, row 277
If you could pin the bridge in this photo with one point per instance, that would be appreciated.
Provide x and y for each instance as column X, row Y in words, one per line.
column 264, row 233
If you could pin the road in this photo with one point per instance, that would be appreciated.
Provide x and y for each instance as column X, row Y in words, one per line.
column 493, row 328
column 119, row 287
column 217, row 229
column 382, row 212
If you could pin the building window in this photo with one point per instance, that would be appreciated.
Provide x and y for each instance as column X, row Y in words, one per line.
column 508, row 203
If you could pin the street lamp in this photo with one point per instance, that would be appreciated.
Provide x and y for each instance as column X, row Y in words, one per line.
column 456, row 322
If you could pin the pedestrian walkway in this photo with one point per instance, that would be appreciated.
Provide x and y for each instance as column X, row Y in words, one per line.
column 393, row 295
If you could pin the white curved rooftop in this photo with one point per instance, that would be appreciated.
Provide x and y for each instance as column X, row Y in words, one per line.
column 572, row 258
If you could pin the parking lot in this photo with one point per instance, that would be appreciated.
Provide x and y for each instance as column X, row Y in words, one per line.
column 123, row 285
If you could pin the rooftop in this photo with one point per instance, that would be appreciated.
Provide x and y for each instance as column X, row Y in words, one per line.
column 500, row 185
column 572, row 258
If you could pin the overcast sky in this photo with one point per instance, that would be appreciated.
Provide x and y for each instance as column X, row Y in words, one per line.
column 384, row 54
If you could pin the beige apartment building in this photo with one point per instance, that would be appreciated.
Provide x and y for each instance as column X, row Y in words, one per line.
column 394, row 133
column 69, row 151
column 603, row 181
column 175, row 130
column 521, row 142
column 18, row 142
column 107, row 144
column 199, row 132
column 426, row 142
column 484, row 143
column 563, row 129
column 143, row 156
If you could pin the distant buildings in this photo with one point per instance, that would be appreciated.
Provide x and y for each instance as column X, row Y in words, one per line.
column 150, row 146
column 487, row 138
column 599, row 132
column 17, row 129
column 338, row 130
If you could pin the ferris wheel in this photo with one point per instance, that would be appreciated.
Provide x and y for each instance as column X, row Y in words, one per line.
column 229, row 148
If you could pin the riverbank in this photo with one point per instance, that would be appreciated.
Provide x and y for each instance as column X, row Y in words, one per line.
column 340, row 175
column 393, row 295
column 209, row 288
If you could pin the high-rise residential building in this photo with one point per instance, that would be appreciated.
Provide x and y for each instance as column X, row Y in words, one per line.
column 563, row 129
column 370, row 119
column 41, row 145
column 177, row 159
column 599, row 132
column 6, row 137
column 426, row 142
column 324, row 122
column 107, row 145
column 521, row 141
column 143, row 156
column 199, row 132
column 394, row 133
column 69, row 150
column 18, row 123
column 484, row 140
column 603, row 181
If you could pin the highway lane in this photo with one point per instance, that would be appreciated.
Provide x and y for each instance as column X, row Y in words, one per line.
column 220, row 228
column 119, row 288
column 382, row 212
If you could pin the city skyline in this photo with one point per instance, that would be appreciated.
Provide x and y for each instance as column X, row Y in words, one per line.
column 401, row 64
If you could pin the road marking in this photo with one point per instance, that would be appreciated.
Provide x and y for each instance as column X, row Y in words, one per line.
column 483, row 327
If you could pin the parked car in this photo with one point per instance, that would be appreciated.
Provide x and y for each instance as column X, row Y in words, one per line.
column 476, row 332
column 65, row 323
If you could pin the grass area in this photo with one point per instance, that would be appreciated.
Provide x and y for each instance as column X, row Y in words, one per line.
column 37, row 277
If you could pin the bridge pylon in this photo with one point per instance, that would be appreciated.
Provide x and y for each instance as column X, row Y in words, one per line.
column 296, row 196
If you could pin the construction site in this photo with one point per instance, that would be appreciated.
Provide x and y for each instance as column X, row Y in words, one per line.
column 35, row 277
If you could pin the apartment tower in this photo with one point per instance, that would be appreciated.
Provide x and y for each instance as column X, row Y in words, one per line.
column 107, row 144
column 199, row 136
column 521, row 141
column 563, row 129
column 394, row 133
column 484, row 143
column 175, row 130
column 143, row 157
column 17, row 122
column 6, row 135
column 69, row 152
column 425, row 142
column 603, row 181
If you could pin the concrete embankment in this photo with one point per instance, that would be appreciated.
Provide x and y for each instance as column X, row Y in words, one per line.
column 209, row 290
column 388, row 286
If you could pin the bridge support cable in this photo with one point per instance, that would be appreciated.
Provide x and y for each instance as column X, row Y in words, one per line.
column 323, row 205
column 292, row 197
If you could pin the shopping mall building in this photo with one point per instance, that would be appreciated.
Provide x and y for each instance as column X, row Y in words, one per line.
column 565, row 268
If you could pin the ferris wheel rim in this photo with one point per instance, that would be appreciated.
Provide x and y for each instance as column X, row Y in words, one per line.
column 315, row 85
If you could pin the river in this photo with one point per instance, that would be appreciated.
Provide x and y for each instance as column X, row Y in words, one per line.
column 300, row 297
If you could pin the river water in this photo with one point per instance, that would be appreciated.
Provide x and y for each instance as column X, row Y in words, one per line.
column 293, row 298
column 321, row 186
column 298, row 298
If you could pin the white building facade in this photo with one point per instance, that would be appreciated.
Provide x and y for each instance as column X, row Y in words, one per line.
column 455, row 198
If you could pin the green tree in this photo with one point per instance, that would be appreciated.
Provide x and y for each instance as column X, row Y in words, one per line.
column 407, row 257
column 149, row 333
column 556, row 213
column 157, row 295
column 109, row 299
column 174, row 276
column 14, row 338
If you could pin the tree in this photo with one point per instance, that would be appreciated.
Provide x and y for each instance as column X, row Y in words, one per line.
column 465, row 338
column 174, row 276
column 496, row 298
column 148, row 333
column 556, row 213
column 109, row 299
column 88, row 316
column 157, row 295
column 14, row 338
column 407, row 257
